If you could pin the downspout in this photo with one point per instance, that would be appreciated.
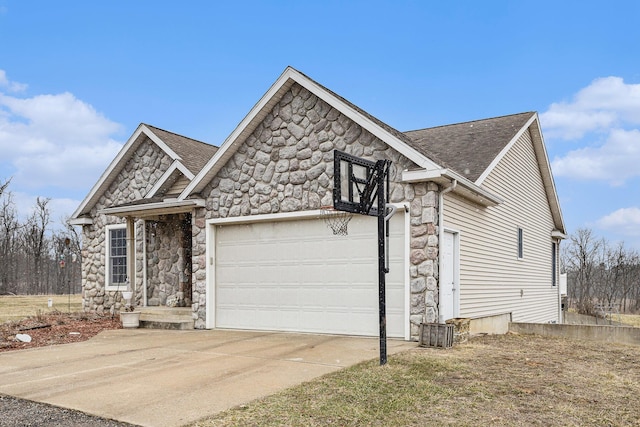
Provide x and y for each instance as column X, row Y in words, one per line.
column 454, row 184
column 557, row 279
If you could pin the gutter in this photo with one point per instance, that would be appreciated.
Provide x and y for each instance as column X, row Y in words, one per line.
column 166, row 206
column 464, row 187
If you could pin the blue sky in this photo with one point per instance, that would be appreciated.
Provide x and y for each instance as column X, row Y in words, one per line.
column 77, row 77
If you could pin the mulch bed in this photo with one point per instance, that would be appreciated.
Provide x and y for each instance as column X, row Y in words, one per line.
column 54, row 328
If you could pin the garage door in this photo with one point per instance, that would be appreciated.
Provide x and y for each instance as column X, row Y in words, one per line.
column 297, row 276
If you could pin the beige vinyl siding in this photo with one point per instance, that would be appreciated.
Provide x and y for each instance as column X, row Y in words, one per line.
column 177, row 188
column 492, row 278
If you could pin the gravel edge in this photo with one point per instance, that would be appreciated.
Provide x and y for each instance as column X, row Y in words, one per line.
column 16, row 412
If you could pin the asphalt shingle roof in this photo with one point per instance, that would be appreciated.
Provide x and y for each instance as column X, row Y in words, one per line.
column 468, row 148
column 195, row 154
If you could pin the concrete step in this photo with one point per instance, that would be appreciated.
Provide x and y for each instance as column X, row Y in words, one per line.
column 179, row 318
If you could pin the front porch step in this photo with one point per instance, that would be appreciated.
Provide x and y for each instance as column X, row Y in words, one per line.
column 179, row 318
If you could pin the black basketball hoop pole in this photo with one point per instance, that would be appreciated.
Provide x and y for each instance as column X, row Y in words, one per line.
column 382, row 267
column 364, row 194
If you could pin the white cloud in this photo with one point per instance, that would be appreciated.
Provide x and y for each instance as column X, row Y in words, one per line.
column 615, row 161
column 55, row 140
column 624, row 221
column 607, row 102
column 603, row 118
column 9, row 85
column 52, row 146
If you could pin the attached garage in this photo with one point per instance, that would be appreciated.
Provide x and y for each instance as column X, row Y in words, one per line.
column 289, row 273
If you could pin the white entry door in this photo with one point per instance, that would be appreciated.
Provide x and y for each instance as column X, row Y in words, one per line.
column 297, row 276
column 449, row 277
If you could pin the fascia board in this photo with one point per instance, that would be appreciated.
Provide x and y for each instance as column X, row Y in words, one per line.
column 365, row 122
column 122, row 156
column 107, row 172
column 533, row 124
column 505, row 150
column 421, row 175
column 286, row 79
column 80, row 221
column 176, row 165
column 224, row 152
column 477, row 193
column 159, row 206
column 464, row 187
column 547, row 174
column 152, row 136
column 558, row 234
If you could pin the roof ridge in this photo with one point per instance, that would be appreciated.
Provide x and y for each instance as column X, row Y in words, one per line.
column 177, row 134
column 472, row 121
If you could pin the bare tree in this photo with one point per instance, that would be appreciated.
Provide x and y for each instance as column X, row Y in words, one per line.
column 8, row 243
column 66, row 252
column 36, row 245
column 3, row 186
column 581, row 261
column 599, row 273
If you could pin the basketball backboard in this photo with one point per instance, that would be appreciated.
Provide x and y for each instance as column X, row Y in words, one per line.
column 356, row 182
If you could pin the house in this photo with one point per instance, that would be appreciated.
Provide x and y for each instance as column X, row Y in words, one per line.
column 234, row 236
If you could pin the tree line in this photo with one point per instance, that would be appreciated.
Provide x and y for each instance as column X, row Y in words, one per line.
column 601, row 276
column 35, row 258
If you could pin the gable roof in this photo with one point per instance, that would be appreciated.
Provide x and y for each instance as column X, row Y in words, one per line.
column 473, row 149
column 188, row 155
column 464, row 153
column 468, row 148
column 194, row 154
column 394, row 138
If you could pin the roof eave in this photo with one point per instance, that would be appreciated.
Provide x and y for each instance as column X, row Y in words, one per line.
column 547, row 175
column 103, row 182
column 464, row 187
column 266, row 103
column 83, row 220
column 165, row 207
column 558, row 234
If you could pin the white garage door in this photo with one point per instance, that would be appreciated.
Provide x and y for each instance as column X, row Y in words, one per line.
column 297, row 276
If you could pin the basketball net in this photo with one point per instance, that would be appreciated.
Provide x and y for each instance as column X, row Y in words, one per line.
column 336, row 220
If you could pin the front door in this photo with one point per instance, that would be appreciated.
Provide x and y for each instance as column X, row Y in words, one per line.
column 449, row 287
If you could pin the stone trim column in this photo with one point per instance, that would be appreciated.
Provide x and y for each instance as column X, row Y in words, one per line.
column 131, row 255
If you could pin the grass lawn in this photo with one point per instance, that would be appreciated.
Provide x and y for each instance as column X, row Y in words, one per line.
column 21, row 306
column 511, row 380
column 629, row 319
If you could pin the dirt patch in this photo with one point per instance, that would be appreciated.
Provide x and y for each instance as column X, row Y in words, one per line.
column 54, row 328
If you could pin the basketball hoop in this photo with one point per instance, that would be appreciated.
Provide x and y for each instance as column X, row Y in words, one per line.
column 336, row 220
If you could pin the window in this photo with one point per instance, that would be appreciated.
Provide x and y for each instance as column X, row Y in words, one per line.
column 520, row 243
column 554, row 263
column 116, row 256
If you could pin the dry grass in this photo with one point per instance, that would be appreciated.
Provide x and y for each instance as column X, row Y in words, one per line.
column 21, row 306
column 510, row 380
column 629, row 319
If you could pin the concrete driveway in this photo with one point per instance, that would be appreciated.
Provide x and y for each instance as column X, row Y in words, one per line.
column 169, row 378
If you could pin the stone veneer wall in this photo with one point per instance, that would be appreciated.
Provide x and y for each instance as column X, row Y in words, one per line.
column 286, row 165
column 143, row 169
column 169, row 260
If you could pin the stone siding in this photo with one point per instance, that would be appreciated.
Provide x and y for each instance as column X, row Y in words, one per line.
column 140, row 173
column 169, row 261
column 286, row 165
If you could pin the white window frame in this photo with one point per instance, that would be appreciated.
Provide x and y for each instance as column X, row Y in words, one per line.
column 107, row 280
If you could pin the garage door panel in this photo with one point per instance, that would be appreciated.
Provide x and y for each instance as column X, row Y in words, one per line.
column 297, row 276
